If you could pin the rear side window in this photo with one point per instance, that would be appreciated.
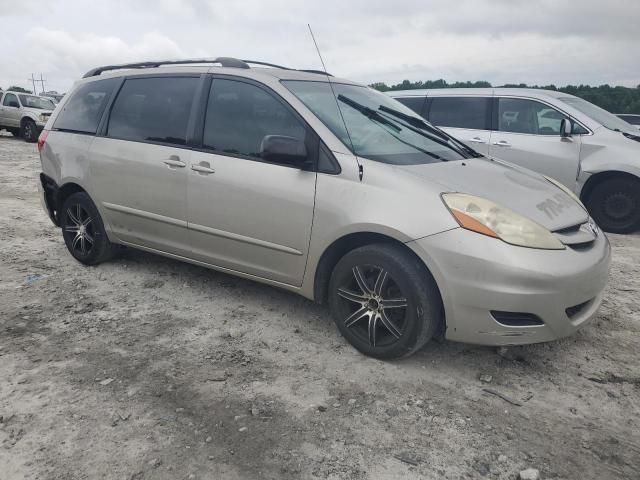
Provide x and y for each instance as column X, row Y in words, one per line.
column 153, row 109
column 10, row 99
column 239, row 115
column 414, row 103
column 83, row 110
column 460, row 112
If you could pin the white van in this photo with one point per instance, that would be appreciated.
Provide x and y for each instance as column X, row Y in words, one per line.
column 591, row 151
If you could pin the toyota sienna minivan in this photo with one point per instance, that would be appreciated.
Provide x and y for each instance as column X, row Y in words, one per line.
column 586, row 148
column 323, row 187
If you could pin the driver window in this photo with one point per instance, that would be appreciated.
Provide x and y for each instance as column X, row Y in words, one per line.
column 239, row 115
column 528, row 116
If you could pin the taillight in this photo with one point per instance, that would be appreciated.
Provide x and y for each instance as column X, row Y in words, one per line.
column 42, row 139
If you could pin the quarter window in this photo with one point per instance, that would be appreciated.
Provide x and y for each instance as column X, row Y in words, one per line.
column 10, row 98
column 153, row 109
column 460, row 112
column 83, row 110
column 239, row 115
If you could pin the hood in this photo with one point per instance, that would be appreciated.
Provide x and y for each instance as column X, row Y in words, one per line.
column 38, row 111
column 518, row 189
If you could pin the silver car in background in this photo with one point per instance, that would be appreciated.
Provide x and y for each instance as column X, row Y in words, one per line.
column 587, row 149
column 326, row 188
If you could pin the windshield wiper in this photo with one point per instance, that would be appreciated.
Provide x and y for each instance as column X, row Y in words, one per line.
column 368, row 112
column 377, row 117
column 422, row 125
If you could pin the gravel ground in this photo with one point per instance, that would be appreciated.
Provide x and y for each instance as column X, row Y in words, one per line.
column 146, row 368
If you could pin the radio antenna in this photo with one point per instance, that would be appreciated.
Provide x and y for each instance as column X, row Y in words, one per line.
column 324, row 68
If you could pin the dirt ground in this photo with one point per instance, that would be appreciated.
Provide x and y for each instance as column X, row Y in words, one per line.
column 147, row 368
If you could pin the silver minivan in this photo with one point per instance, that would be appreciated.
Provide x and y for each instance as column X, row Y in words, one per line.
column 589, row 150
column 326, row 188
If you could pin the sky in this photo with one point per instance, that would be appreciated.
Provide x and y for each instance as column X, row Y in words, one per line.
column 502, row 41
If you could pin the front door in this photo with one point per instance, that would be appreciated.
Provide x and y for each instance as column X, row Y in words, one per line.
column 528, row 135
column 139, row 169
column 247, row 214
column 466, row 118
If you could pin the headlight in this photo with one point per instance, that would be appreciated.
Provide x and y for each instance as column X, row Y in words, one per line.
column 565, row 190
column 483, row 216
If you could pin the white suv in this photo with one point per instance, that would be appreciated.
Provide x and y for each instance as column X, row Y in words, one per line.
column 23, row 114
column 591, row 151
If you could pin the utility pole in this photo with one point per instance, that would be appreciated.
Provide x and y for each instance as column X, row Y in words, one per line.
column 41, row 83
column 33, row 81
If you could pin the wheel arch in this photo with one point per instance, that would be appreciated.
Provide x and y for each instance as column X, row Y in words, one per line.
column 602, row 176
column 26, row 117
column 343, row 245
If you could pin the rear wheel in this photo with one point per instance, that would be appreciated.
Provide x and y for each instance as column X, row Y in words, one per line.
column 384, row 301
column 83, row 230
column 615, row 205
column 29, row 131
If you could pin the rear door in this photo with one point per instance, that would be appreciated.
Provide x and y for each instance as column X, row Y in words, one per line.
column 247, row 214
column 528, row 134
column 11, row 114
column 467, row 118
column 139, row 163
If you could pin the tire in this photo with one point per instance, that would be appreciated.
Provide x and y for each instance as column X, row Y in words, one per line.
column 83, row 230
column 29, row 131
column 370, row 277
column 615, row 205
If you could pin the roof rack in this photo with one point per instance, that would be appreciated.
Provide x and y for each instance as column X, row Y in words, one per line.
column 224, row 61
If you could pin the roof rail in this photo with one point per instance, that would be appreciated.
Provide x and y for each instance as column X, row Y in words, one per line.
column 224, row 61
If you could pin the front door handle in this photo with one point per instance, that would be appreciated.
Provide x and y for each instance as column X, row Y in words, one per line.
column 203, row 168
column 174, row 162
column 502, row 143
column 476, row 140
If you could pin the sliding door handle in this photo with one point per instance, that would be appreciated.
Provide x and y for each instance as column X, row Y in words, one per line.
column 502, row 143
column 203, row 168
column 174, row 162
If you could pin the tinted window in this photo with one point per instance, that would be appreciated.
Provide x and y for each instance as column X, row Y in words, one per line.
column 153, row 109
column 240, row 115
column 82, row 111
column 459, row 112
column 528, row 116
column 9, row 98
column 632, row 119
column 414, row 103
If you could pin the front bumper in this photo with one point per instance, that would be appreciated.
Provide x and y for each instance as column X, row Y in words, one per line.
column 478, row 275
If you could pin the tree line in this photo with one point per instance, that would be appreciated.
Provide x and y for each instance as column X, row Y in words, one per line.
column 613, row 99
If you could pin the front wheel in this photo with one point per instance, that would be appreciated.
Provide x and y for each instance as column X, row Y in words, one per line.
column 384, row 301
column 83, row 230
column 615, row 205
column 29, row 131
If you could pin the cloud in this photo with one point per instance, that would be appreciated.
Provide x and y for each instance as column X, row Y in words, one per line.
column 533, row 41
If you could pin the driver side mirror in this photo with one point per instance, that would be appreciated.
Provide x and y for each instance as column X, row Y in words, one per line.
column 566, row 128
column 285, row 150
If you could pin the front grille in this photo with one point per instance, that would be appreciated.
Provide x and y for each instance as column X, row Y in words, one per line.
column 576, row 309
column 577, row 237
column 516, row 319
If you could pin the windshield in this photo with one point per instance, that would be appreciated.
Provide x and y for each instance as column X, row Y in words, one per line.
column 31, row 101
column 378, row 127
column 600, row 115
